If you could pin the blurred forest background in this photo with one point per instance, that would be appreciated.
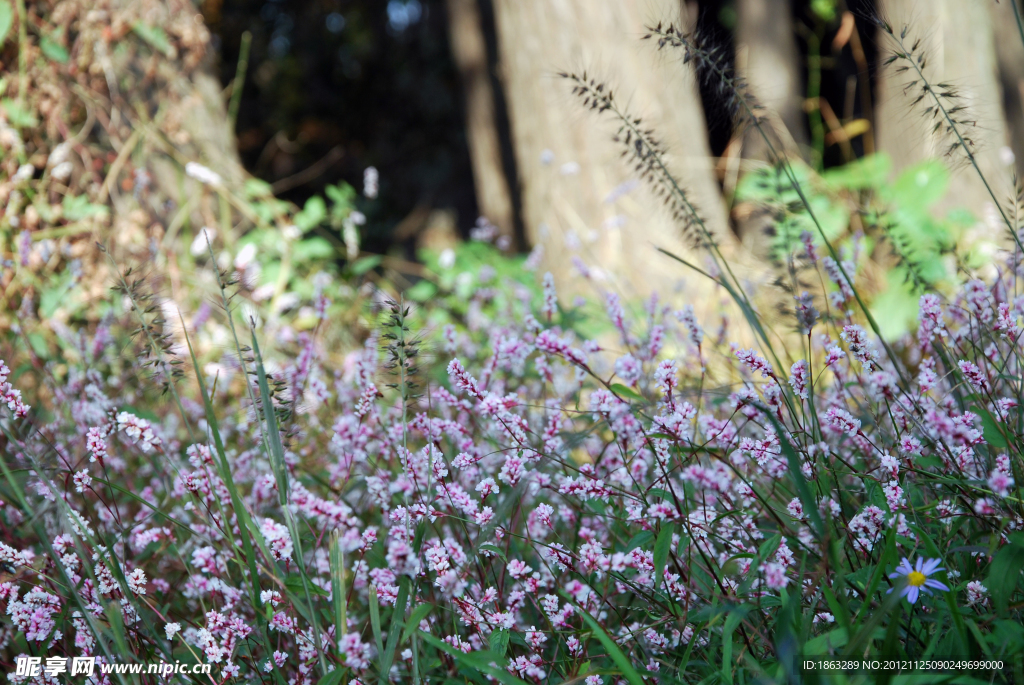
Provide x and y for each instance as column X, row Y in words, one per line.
column 460, row 108
column 457, row 104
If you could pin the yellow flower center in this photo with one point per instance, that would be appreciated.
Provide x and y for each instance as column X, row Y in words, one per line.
column 916, row 578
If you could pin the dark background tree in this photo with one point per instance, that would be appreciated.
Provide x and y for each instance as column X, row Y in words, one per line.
column 372, row 81
column 334, row 86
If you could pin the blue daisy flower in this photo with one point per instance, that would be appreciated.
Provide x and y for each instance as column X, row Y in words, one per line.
column 916, row 578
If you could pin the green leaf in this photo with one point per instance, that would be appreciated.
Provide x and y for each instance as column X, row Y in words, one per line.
column 797, row 474
column 625, row 391
column 6, row 20
column 732, row 621
column 342, row 197
column 493, row 549
column 375, row 619
column 769, row 546
column 642, row 538
column 919, row 187
column 887, row 557
column 890, row 607
column 498, row 641
column 620, row 659
column 78, row 207
column 17, row 114
column 824, row 9
column 896, row 307
column 662, row 493
column 361, row 266
column 332, row 678
column 415, row 616
column 295, row 584
column 38, row 344
column 155, row 36
column 312, row 248
column 52, row 48
column 1004, row 573
column 475, row 661
column 826, row 643
column 976, row 632
column 662, row 547
column 422, row 291
column 256, row 187
column 1007, row 636
column 274, row 446
column 993, row 436
column 338, row 596
column 868, row 172
column 313, row 213
column 116, row 620
column 394, row 630
column 55, row 296
column 247, row 527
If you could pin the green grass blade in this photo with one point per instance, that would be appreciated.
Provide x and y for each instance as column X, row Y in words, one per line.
column 395, row 628
column 275, row 447
column 732, row 621
column 621, row 660
column 247, row 527
column 888, row 556
column 474, row 661
column 415, row 616
column 799, row 481
column 1005, row 571
column 275, row 452
column 375, row 619
column 662, row 547
column 337, row 560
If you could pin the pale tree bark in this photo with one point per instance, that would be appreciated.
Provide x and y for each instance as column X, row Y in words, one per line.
column 579, row 198
column 767, row 57
column 469, row 49
column 1010, row 54
column 958, row 38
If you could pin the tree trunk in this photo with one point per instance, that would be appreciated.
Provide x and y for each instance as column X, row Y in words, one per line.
column 958, row 39
column 469, row 48
column 577, row 193
column 116, row 122
column 767, row 56
column 1010, row 53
